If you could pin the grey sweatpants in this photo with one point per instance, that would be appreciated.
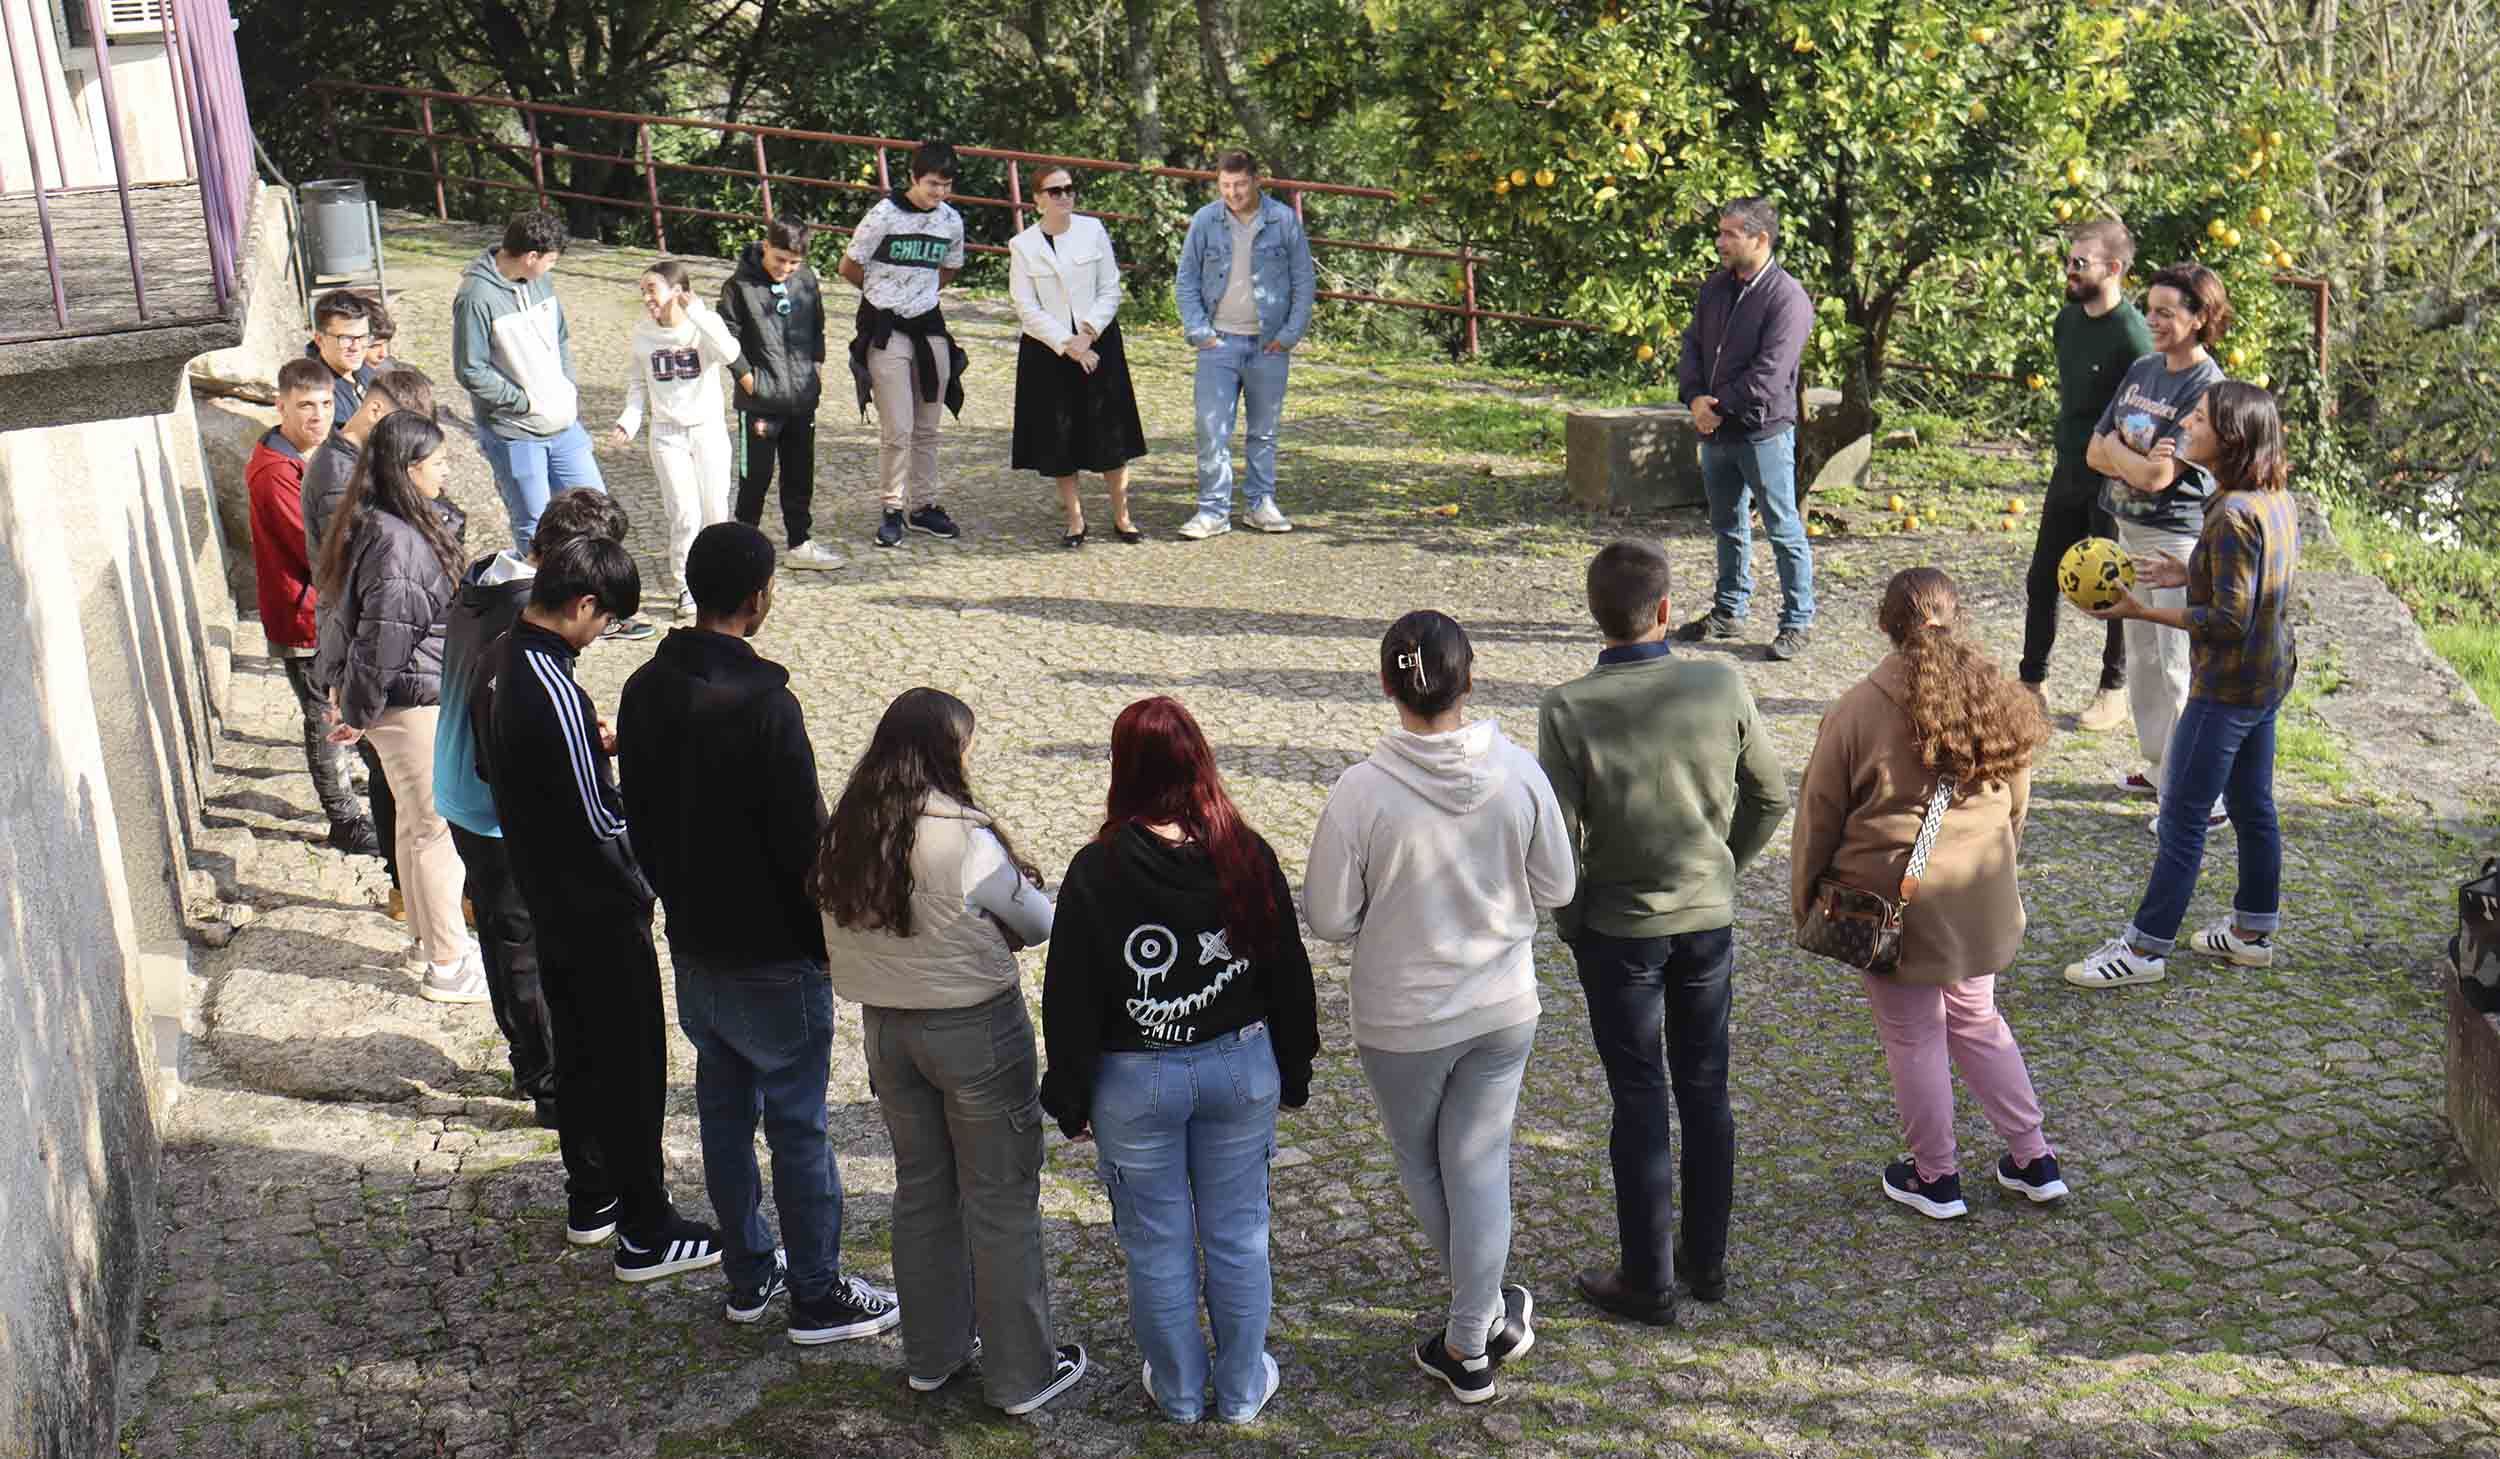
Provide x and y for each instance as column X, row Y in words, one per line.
column 1448, row 1112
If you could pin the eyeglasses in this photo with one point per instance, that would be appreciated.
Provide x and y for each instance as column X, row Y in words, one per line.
column 1063, row 190
column 781, row 298
column 348, row 341
column 2078, row 264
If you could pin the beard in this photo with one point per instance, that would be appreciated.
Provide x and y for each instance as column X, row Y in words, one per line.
column 2078, row 290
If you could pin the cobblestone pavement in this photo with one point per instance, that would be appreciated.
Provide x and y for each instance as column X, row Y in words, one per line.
column 2267, row 1251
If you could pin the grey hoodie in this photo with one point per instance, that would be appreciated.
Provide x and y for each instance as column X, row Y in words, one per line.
column 513, row 352
column 1433, row 856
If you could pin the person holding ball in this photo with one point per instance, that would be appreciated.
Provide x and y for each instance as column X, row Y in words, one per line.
column 2236, row 618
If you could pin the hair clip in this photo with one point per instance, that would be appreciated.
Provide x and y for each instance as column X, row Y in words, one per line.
column 1415, row 661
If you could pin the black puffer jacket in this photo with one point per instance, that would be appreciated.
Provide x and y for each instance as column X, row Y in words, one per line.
column 382, row 632
column 785, row 352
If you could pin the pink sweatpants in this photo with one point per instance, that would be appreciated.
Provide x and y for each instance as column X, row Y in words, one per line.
column 1919, row 1027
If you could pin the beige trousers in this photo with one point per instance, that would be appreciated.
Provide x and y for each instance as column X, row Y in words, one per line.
column 907, row 426
column 430, row 874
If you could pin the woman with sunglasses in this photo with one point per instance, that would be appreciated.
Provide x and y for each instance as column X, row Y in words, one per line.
column 1075, row 407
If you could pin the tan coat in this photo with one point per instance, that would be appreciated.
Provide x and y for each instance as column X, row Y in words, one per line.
column 1858, row 814
column 955, row 957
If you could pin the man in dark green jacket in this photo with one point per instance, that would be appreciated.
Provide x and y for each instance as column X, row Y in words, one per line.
column 1668, row 787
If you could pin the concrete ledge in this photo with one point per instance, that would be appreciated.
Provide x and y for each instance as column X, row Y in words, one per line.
column 1648, row 457
column 169, row 994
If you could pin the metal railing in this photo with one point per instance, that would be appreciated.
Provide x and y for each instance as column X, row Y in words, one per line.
column 1295, row 190
column 212, row 131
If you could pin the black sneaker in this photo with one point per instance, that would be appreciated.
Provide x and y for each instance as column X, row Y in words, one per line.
column 631, row 630
column 2039, row 1180
column 890, row 530
column 355, row 838
column 1713, row 624
column 933, row 520
column 1789, row 644
column 852, row 1309
column 935, row 1381
column 1514, row 1335
column 589, row 1220
column 1940, row 1199
column 1470, row 1379
column 747, row 1304
column 1071, row 1366
column 681, row 1246
column 1707, row 1284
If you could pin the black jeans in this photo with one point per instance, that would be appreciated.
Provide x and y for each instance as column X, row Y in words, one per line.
column 2072, row 512
column 326, row 761
column 508, row 944
column 601, row 976
column 385, row 807
column 1658, row 1013
column 794, row 446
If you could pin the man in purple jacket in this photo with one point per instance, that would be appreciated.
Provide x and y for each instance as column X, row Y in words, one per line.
column 1739, row 376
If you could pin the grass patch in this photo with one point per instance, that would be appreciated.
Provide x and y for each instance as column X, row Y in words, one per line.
column 2303, row 745
column 2473, row 650
column 1493, row 427
column 2454, row 593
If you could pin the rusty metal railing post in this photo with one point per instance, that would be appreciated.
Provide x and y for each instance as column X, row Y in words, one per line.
column 763, row 175
column 2323, row 326
column 1015, row 194
column 538, row 165
column 885, row 181
column 1467, row 283
column 121, row 158
column 34, row 167
column 651, row 185
column 434, row 152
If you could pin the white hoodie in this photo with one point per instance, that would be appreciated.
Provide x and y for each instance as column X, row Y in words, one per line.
column 1434, row 856
column 679, row 368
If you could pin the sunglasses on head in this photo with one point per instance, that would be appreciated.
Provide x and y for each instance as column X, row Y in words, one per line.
column 1061, row 190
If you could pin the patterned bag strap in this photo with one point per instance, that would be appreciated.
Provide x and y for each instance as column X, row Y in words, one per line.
column 1926, row 843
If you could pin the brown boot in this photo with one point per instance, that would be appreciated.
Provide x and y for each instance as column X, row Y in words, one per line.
column 2107, row 711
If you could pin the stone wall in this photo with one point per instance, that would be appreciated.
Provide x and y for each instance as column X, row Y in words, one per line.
column 116, row 638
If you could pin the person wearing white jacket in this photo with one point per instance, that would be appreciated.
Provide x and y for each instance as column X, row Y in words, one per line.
column 1076, row 409
column 681, row 350
column 1433, row 857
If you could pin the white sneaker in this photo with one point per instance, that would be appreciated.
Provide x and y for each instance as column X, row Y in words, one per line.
column 1206, row 524
column 460, row 982
column 1267, row 518
column 2114, row 964
column 815, row 554
column 2219, row 940
column 685, row 605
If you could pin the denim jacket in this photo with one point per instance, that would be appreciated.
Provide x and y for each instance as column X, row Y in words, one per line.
column 1281, row 282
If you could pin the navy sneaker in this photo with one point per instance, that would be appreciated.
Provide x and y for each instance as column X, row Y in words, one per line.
column 2039, row 1180
column 1470, row 1379
column 747, row 1304
column 1940, row 1199
column 890, row 530
column 933, row 520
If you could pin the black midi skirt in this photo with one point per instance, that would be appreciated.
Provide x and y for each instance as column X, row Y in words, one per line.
column 1068, row 421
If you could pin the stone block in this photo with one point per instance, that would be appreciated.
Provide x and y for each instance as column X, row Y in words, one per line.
column 1649, row 456
column 229, row 429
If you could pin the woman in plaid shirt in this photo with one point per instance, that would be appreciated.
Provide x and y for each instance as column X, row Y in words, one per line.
column 2241, row 663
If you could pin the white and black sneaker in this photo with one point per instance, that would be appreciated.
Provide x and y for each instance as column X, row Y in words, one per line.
column 1063, row 1376
column 589, row 1220
column 1513, row 1335
column 1938, row 1200
column 747, row 1304
column 2040, row 1181
column 852, row 1309
column 2116, row 964
column 1470, row 1379
column 681, row 1246
column 935, row 1381
column 2222, row 940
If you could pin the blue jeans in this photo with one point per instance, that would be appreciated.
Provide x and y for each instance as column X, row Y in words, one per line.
column 533, row 469
column 1234, row 369
column 2226, row 750
column 1185, row 1137
column 1768, row 470
column 1658, row 1014
column 763, row 1041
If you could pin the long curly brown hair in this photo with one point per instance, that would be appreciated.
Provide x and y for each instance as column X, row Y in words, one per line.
column 862, row 874
column 1973, row 723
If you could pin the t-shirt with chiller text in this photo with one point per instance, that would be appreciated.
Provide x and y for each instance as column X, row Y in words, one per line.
column 2152, row 402
column 899, row 251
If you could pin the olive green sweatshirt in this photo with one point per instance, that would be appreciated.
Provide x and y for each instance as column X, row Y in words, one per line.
column 1668, row 787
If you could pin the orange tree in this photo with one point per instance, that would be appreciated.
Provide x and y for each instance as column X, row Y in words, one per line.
column 1923, row 160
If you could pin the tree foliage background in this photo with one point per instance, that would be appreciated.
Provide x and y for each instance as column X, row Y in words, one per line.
column 1926, row 157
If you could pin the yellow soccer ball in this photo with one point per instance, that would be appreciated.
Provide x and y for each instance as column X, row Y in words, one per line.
column 2094, row 574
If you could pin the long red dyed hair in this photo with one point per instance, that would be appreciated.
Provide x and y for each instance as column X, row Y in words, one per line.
column 1163, row 773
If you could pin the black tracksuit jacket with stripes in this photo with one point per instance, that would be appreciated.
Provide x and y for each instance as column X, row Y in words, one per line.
column 555, row 793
